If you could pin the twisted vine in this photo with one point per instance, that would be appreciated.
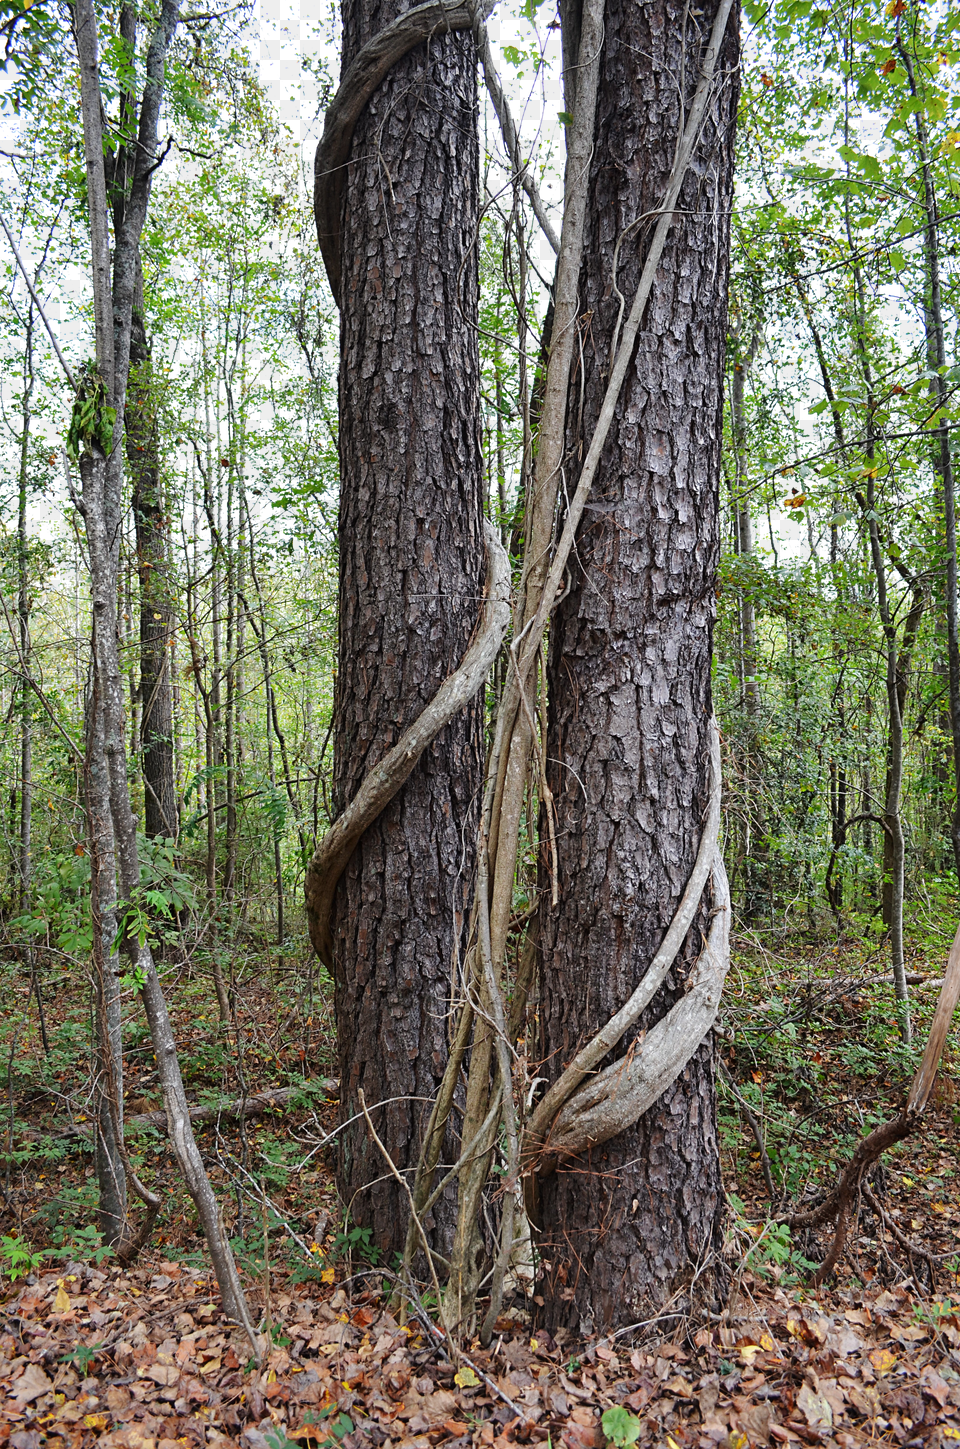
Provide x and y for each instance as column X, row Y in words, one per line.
column 385, row 779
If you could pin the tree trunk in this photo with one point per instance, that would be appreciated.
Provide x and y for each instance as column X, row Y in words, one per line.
column 629, row 1224
column 24, row 646
column 111, row 823
column 411, row 575
column 161, row 816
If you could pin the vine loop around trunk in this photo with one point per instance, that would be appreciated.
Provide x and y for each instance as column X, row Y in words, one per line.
column 386, row 778
column 578, row 1113
column 362, row 77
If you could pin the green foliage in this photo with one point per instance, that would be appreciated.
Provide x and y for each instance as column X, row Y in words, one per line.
column 17, row 1259
column 82, row 1356
column 92, row 421
column 355, row 1242
column 620, row 1426
column 60, row 908
column 773, row 1254
column 336, row 1424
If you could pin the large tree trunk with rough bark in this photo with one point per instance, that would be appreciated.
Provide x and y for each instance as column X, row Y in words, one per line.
column 411, row 577
column 628, row 1224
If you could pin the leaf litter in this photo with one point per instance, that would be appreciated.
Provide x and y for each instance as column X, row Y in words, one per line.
column 143, row 1359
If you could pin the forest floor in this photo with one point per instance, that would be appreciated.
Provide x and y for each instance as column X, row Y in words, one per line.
column 142, row 1357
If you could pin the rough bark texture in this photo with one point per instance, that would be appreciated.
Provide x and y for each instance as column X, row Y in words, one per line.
column 411, row 578
column 629, row 670
column 161, row 816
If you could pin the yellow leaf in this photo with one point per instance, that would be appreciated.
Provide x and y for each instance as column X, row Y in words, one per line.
column 533, row 1345
column 767, row 1343
column 672, row 1443
column 748, row 1352
column 883, row 1361
column 328, row 1275
column 61, row 1304
column 948, row 1433
column 465, row 1378
column 96, row 1421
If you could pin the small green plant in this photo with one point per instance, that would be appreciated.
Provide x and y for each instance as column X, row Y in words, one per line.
column 84, row 1245
column 773, row 1254
column 358, row 1243
column 620, row 1427
column 17, row 1258
column 337, row 1430
column 82, row 1356
column 277, row 1439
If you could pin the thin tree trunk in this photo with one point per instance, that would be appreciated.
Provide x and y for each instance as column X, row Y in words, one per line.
column 895, row 679
column 161, row 815
column 112, row 826
column 25, row 861
column 627, row 1225
column 411, row 576
column 744, row 524
column 942, row 457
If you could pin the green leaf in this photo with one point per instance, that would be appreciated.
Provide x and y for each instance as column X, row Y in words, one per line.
column 565, row 118
column 621, row 1427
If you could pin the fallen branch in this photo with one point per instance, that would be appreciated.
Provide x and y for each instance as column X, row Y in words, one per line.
column 242, row 1107
column 839, row 1204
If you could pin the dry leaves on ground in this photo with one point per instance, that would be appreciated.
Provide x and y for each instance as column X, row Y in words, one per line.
column 144, row 1360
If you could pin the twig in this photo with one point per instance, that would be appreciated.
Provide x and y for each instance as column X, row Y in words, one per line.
column 911, row 1247
column 464, row 1358
column 38, row 304
column 755, row 1129
column 395, row 1171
